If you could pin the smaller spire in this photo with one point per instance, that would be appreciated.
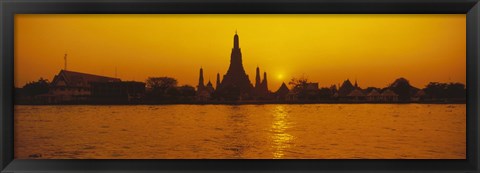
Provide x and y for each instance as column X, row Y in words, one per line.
column 264, row 82
column 257, row 78
column 218, row 80
column 200, row 79
column 209, row 85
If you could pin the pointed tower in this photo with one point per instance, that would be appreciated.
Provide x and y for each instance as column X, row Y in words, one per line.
column 236, row 65
column 200, row 80
column 264, row 83
column 209, row 87
column 257, row 78
column 235, row 84
column 356, row 84
column 236, row 41
column 218, row 81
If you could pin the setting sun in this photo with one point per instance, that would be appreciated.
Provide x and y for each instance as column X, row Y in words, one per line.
column 326, row 48
column 236, row 86
column 280, row 76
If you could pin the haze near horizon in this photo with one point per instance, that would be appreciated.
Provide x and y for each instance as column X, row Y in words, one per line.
column 374, row 49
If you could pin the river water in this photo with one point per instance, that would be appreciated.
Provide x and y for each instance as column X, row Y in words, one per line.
column 308, row 131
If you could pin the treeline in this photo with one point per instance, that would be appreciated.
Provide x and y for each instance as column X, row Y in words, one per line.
column 34, row 88
column 433, row 91
column 162, row 89
column 303, row 90
column 437, row 90
column 166, row 89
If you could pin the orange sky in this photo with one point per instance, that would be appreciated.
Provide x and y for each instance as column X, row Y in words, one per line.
column 374, row 49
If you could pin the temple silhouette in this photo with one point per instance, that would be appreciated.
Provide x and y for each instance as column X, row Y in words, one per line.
column 70, row 87
column 235, row 84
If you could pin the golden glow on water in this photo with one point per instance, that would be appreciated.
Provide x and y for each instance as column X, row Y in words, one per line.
column 325, row 131
column 281, row 139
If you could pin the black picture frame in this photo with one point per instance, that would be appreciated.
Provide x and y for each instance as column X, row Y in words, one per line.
column 8, row 9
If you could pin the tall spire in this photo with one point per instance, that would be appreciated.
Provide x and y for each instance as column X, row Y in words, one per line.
column 236, row 65
column 257, row 78
column 235, row 83
column 236, row 44
column 200, row 80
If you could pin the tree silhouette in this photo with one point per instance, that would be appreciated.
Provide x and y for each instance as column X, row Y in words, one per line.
column 158, row 86
column 36, row 88
column 161, row 82
column 456, row 90
column 187, row 91
column 299, row 86
column 326, row 92
column 298, row 83
column 437, row 90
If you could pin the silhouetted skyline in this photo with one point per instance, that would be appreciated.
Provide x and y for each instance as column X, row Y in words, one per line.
column 374, row 49
column 69, row 87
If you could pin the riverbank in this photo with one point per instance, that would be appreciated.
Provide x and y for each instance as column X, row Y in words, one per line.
column 252, row 102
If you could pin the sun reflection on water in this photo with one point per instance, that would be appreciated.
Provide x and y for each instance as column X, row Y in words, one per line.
column 290, row 131
column 281, row 139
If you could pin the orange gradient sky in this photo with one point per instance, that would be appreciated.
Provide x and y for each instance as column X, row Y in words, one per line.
column 374, row 49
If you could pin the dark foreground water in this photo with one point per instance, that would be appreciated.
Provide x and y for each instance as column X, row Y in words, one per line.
column 371, row 131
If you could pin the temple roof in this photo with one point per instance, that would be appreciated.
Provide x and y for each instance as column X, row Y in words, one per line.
column 389, row 92
column 374, row 92
column 283, row 89
column 78, row 79
column 356, row 93
column 346, row 88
